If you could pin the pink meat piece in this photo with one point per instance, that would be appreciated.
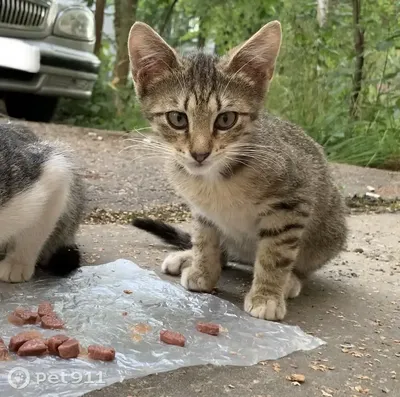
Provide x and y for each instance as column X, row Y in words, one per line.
column 22, row 316
column 18, row 340
column 69, row 349
column 52, row 322
column 172, row 338
column 54, row 342
column 45, row 308
column 33, row 347
column 97, row 352
column 208, row 328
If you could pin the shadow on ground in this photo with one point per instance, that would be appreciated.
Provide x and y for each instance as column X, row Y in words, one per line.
column 353, row 305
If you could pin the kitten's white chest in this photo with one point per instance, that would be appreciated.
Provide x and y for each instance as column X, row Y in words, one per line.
column 228, row 205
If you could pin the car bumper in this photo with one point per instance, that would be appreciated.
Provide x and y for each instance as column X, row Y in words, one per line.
column 62, row 72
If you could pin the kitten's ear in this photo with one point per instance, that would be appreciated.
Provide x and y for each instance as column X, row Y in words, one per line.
column 257, row 56
column 150, row 56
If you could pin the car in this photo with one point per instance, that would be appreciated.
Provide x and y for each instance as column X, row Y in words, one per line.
column 46, row 53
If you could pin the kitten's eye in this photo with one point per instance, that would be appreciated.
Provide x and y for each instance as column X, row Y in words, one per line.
column 226, row 120
column 177, row 120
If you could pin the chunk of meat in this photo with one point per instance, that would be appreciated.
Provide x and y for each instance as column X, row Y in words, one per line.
column 69, row 349
column 18, row 340
column 45, row 308
column 52, row 322
column 208, row 328
column 54, row 342
column 97, row 352
column 3, row 351
column 22, row 316
column 172, row 338
column 15, row 320
column 28, row 316
column 33, row 347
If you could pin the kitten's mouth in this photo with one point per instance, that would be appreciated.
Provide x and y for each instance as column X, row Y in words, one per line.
column 198, row 168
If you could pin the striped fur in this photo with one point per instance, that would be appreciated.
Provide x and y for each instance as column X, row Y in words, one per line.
column 264, row 193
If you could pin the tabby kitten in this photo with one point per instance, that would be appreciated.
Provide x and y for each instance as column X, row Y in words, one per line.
column 41, row 205
column 258, row 187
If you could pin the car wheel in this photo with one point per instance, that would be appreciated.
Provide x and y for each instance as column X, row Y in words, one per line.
column 30, row 107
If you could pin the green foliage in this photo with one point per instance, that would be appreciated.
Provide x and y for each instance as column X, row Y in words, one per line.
column 314, row 82
column 314, row 77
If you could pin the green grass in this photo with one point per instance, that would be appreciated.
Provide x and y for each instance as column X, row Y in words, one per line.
column 370, row 140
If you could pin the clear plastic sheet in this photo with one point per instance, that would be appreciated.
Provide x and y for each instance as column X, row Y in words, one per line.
column 93, row 304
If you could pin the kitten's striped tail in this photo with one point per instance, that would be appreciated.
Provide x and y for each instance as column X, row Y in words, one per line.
column 169, row 234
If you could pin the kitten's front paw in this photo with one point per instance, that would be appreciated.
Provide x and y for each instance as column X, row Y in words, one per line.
column 267, row 307
column 14, row 272
column 193, row 279
column 175, row 262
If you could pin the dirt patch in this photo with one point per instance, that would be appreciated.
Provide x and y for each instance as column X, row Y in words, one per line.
column 175, row 213
column 124, row 179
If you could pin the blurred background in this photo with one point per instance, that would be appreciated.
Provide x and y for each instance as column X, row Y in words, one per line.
column 338, row 74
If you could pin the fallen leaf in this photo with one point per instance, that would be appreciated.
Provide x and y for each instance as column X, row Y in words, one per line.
column 141, row 328
column 128, row 291
column 361, row 390
column 276, row 367
column 320, row 367
column 347, row 346
column 354, row 353
column 136, row 337
column 115, row 81
column 363, row 377
column 326, row 394
column 296, row 378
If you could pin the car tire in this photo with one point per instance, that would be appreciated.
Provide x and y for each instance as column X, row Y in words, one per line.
column 30, row 107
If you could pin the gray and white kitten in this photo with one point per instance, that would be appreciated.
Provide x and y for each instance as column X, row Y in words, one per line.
column 41, row 205
column 259, row 188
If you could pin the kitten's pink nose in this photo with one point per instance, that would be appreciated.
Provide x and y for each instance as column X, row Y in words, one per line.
column 200, row 157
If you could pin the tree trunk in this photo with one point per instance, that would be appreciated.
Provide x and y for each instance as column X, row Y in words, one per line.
column 124, row 17
column 201, row 39
column 99, row 18
column 167, row 18
column 322, row 12
column 359, row 50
